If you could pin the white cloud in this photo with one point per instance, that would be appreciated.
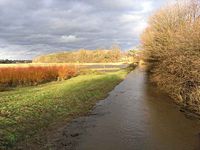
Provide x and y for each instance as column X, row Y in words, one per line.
column 12, row 52
column 51, row 25
column 128, row 18
column 68, row 38
column 139, row 28
column 3, row 2
column 47, row 3
column 118, row 4
column 147, row 6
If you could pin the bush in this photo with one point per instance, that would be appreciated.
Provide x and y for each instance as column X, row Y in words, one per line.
column 65, row 73
column 172, row 45
column 24, row 76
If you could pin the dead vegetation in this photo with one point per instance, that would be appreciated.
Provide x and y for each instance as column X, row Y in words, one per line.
column 172, row 46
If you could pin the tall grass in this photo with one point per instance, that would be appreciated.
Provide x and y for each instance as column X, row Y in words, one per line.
column 33, row 75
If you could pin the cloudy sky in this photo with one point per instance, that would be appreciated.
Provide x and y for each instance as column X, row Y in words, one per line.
column 29, row 28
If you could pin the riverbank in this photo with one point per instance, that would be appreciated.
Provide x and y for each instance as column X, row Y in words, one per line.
column 25, row 111
column 172, row 49
column 135, row 115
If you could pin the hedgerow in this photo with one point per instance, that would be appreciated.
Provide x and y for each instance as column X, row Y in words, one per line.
column 171, row 45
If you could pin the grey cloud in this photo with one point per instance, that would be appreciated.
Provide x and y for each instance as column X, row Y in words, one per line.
column 29, row 28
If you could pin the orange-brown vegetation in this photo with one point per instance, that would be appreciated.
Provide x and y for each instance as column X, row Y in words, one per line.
column 85, row 56
column 172, row 45
column 33, row 75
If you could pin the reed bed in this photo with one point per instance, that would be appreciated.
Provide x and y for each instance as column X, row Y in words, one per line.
column 34, row 75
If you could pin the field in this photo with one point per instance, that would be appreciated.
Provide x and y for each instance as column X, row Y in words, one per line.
column 25, row 110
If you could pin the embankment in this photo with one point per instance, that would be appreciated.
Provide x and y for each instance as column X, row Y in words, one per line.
column 25, row 111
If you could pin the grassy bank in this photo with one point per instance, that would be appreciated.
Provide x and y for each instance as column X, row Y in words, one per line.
column 23, row 111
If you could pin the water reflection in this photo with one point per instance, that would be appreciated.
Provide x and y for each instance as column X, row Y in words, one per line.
column 137, row 116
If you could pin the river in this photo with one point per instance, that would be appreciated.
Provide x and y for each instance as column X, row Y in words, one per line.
column 135, row 116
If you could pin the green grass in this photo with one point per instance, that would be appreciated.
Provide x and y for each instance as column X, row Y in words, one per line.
column 23, row 111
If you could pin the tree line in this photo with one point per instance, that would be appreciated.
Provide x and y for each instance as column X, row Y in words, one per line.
column 7, row 61
column 84, row 56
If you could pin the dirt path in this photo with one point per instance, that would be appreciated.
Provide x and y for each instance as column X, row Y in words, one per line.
column 135, row 116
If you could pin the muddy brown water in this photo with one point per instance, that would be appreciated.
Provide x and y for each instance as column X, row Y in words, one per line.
column 135, row 116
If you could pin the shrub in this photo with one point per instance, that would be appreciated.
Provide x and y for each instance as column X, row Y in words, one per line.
column 24, row 76
column 65, row 73
column 172, row 45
